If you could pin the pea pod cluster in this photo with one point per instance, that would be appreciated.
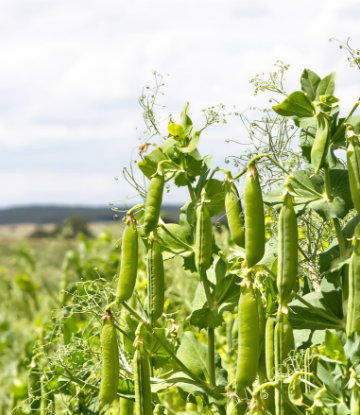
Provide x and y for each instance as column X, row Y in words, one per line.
column 142, row 371
column 153, row 202
column 248, row 339
column 320, row 146
column 155, row 274
column 254, row 218
column 129, row 262
column 203, row 243
column 353, row 311
column 287, row 249
column 353, row 162
column 234, row 213
column 110, row 362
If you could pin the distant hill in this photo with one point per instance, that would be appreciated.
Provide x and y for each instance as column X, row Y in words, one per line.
column 56, row 214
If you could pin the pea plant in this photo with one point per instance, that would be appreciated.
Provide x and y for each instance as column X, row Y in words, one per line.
column 273, row 322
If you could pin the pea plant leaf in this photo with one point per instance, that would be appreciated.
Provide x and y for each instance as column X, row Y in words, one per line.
column 333, row 348
column 194, row 355
column 216, row 194
column 190, row 386
column 326, row 86
column 329, row 259
column 320, row 316
column 182, row 233
column 307, row 137
column 338, row 207
column 352, row 348
column 175, row 130
column 225, row 293
column 309, row 82
column 186, row 122
column 149, row 165
column 296, row 105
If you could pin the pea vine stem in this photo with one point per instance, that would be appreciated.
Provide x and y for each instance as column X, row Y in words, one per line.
column 211, row 351
column 211, row 332
column 162, row 343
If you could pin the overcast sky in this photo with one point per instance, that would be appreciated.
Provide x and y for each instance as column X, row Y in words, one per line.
column 71, row 73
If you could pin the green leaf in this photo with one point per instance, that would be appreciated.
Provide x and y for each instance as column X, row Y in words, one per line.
column 182, row 232
column 216, row 194
column 175, row 130
column 295, row 105
column 149, row 165
column 303, row 317
column 205, row 169
column 333, row 348
column 329, row 258
column 126, row 387
column 307, row 137
column 184, row 382
column 325, row 372
column 202, row 316
column 326, row 86
column 194, row 355
column 294, row 390
column 186, row 122
column 160, row 357
column 194, row 139
column 338, row 207
column 309, row 82
column 352, row 348
column 306, row 338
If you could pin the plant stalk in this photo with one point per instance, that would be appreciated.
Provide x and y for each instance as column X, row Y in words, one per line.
column 211, row 354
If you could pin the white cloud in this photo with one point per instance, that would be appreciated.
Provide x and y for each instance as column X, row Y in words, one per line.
column 72, row 72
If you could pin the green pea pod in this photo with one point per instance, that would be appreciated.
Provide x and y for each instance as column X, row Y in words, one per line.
column 234, row 214
column 153, row 202
column 248, row 340
column 269, row 348
column 203, row 243
column 34, row 386
column 353, row 312
column 355, row 401
column 142, row 370
column 109, row 362
column 353, row 162
column 155, row 271
column 320, row 146
column 129, row 262
column 287, row 249
column 284, row 343
column 254, row 218
column 126, row 407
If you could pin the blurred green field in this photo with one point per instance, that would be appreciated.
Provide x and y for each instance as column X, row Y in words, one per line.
column 33, row 275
